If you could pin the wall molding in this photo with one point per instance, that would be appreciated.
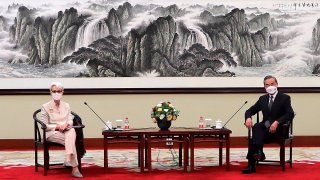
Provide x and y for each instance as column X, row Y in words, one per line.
column 159, row 90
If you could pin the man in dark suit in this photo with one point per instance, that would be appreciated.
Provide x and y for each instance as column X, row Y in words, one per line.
column 276, row 110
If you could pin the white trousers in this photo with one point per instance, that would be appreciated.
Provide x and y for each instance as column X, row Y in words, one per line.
column 68, row 139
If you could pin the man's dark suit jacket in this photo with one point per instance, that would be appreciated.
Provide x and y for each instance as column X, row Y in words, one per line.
column 281, row 110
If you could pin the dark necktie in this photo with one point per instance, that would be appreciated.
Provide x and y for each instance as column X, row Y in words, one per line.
column 270, row 102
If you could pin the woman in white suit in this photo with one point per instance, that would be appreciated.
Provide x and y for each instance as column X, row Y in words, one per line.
column 56, row 114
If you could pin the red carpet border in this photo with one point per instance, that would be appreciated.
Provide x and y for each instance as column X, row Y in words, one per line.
column 123, row 164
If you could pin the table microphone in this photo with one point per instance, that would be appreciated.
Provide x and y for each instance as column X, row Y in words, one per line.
column 110, row 129
column 234, row 114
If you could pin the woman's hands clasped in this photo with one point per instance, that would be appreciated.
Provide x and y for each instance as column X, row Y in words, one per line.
column 63, row 127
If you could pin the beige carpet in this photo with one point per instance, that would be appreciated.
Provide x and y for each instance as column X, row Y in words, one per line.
column 162, row 158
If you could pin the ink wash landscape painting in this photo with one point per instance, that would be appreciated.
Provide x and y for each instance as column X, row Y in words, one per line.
column 153, row 38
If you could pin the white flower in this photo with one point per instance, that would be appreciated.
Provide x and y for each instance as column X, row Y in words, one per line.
column 164, row 110
column 162, row 116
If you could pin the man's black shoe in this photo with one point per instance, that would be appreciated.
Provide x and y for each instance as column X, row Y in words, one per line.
column 259, row 156
column 249, row 169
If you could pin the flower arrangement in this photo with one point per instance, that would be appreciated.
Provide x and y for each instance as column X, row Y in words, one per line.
column 164, row 111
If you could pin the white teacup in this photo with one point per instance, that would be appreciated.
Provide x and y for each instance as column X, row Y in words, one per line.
column 218, row 124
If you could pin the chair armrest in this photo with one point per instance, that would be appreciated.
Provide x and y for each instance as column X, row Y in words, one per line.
column 286, row 125
column 43, row 125
column 79, row 127
column 286, row 130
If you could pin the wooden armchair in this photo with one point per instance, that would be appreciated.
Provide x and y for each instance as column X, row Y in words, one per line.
column 40, row 141
column 285, row 141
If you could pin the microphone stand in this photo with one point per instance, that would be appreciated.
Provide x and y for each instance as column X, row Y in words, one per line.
column 234, row 114
column 110, row 129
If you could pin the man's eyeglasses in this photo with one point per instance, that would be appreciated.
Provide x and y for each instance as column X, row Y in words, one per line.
column 56, row 91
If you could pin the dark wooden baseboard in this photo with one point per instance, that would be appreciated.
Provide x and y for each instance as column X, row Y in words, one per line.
column 97, row 143
column 173, row 90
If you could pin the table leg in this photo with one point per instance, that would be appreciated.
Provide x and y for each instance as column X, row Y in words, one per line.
column 105, row 150
column 191, row 153
column 227, row 136
column 220, row 150
column 187, row 141
column 141, row 153
column 180, row 151
column 146, row 152
column 149, row 154
column 185, row 150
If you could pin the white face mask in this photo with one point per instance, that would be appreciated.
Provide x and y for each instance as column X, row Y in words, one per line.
column 271, row 90
column 56, row 96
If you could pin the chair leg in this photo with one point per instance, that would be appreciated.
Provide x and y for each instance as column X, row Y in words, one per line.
column 282, row 157
column 36, row 157
column 139, row 151
column 79, row 163
column 290, row 154
column 46, row 160
column 79, row 155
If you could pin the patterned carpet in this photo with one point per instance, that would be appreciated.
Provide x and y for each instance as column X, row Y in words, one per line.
column 163, row 159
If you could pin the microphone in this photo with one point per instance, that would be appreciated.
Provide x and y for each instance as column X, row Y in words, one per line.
column 98, row 116
column 234, row 114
